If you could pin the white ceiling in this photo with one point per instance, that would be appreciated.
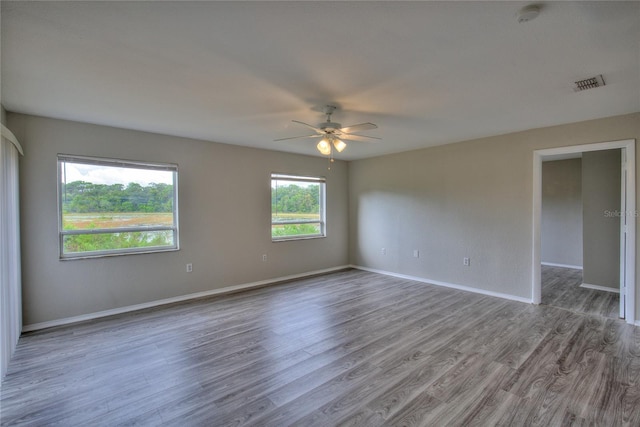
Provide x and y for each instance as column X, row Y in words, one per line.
column 427, row 73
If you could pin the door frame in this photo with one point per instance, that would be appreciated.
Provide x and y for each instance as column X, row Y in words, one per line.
column 628, row 211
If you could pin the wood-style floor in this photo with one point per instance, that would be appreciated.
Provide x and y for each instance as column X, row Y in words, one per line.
column 561, row 288
column 349, row 348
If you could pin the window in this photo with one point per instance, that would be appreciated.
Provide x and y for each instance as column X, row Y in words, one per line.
column 114, row 207
column 297, row 207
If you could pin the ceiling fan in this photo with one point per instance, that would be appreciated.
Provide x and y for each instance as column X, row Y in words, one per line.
column 333, row 134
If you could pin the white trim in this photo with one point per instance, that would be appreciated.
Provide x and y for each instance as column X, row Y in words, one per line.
column 445, row 284
column 553, row 264
column 600, row 288
column 11, row 137
column 536, row 273
column 630, row 252
column 629, row 279
column 181, row 298
column 623, row 234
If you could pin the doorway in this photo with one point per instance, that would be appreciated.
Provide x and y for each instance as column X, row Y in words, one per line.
column 626, row 214
column 580, row 247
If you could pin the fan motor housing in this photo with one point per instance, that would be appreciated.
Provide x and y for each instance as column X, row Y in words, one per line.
column 330, row 126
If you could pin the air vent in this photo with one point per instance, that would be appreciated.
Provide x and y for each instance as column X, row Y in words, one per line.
column 590, row 83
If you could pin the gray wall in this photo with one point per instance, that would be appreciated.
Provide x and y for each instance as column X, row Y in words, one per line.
column 224, row 203
column 472, row 199
column 561, row 219
column 601, row 186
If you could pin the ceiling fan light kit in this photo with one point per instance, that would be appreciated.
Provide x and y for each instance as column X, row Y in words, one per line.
column 339, row 145
column 324, row 147
column 332, row 134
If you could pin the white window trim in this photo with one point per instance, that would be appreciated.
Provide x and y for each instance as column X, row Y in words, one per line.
column 323, row 208
column 125, row 251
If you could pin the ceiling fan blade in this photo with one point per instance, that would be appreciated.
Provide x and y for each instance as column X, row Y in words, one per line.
column 296, row 137
column 361, row 138
column 309, row 126
column 359, row 127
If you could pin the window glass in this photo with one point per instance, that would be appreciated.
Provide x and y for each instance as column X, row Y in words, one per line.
column 109, row 206
column 297, row 207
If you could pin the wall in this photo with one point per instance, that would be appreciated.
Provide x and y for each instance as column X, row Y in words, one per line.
column 561, row 219
column 224, row 201
column 470, row 199
column 601, row 185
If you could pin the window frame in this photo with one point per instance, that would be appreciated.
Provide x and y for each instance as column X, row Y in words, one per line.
column 322, row 222
column 132, row 164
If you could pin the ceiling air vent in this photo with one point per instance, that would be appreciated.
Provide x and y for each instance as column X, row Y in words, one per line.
column 590, row 83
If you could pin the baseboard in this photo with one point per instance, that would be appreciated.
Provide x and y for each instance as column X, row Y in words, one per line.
column 600, row 288
column 553, row 264
column 446, row 284
column 181, row 298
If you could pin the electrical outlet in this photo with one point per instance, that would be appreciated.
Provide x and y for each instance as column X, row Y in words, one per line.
column 189, row 268
column 466, row 261
column 383, row 251
column 416, row 253
column 264, row 258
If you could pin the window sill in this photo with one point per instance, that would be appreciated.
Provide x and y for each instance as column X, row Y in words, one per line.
column 293, row 238
column 112, row 254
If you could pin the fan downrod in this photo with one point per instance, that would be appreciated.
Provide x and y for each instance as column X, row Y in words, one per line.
column 329, row 126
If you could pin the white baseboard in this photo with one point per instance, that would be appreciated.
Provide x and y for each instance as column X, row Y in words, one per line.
column 600, row 288
column 553, row 264
column 446, row 284
column 181, row 298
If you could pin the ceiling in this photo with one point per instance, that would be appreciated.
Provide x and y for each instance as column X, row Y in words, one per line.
column 427, row 73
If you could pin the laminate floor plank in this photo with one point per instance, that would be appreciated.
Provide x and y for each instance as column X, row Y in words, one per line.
column 415, row 412
column 561, row 288
column 417, row 372
column 522, row 341
column 358, row 338
column 377, row 352
column 529, row 377
column 350, row 348
column 472, row 395
column 337, row 359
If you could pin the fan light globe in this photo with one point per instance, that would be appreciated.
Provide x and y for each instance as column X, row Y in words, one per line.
column 340, row 145
column 324, row 147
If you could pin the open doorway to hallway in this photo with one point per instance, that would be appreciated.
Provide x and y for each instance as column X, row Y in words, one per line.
column 580, row 232
column 626, row 213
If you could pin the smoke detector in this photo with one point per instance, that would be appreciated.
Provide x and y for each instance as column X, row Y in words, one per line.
column 528, row 13
column 589, row 83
